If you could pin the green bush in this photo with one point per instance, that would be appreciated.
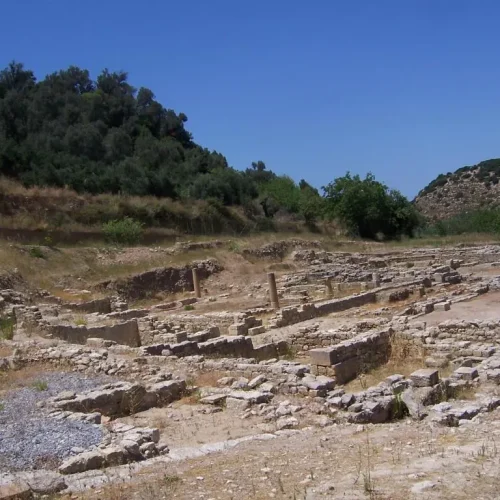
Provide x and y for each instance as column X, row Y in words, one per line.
column 369, row 208
column 40, row 385
column 37, row 253
column 126, row 231
column 7, row 325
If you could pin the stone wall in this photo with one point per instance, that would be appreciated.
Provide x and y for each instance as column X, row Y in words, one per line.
column 452, row 339
column 292, row 315
column 232, row 347
column 346, row 360
column 126, row 333
column 194, row 323
column 101, row 306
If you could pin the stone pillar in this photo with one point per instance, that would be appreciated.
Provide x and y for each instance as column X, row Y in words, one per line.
column 273, row 292
column 196, row 283
column 329, row 288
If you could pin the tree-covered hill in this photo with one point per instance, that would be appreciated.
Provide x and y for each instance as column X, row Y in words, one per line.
column 105, row 136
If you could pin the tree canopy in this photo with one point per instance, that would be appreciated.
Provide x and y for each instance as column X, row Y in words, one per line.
column 369, row 208
column 104, row 135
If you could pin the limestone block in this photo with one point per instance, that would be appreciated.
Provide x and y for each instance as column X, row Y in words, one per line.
column 465, row 373
column 426, row 377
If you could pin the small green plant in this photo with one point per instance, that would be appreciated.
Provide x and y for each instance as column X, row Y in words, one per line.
column 7, row 326
column 189, row 307
column 48, row 241
column 37, row 253
column 80, row 321
column 126, row 231
column 2, row 406
column 171, row 479
column 399, row 409
column 40, row 385
column 234, row 246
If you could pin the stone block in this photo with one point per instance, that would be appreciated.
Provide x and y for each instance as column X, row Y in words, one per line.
column 322, row 356
column 442, row 306
column 426, row 377
column 238, row 329
column 214, row 399
column 258, row 380
column 465, row 373
column 256, row 330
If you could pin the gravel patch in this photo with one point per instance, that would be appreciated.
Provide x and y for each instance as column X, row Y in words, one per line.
column 29, row 439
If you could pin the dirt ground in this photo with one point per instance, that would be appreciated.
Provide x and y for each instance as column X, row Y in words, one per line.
column 484, row 307
column 404, row 460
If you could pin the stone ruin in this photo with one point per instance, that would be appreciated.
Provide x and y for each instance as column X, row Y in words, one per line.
column 335, row 320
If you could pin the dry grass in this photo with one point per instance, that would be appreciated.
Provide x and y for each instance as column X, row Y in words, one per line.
column 405, row 358
column 75, row 296
column 25, row 377
column 465, row 392
column 5, row 350
column 208, row 379
column 162, row 486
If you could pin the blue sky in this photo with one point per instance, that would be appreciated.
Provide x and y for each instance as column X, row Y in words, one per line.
column 405, row 89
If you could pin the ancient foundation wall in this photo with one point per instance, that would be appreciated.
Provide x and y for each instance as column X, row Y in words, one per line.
column 101, row 306
column 348, row 359
column 292, row 315
column 231, row 347
column 122, row 333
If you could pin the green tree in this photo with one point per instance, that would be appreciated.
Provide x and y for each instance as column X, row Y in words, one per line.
column 283, row 192
column 369, row 208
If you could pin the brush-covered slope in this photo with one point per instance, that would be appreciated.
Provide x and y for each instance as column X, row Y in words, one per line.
column 467, row 189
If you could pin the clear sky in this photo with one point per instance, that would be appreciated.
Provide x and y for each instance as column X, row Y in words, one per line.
column 406, row 89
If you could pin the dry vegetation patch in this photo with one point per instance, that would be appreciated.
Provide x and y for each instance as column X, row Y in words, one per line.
column 405, row 358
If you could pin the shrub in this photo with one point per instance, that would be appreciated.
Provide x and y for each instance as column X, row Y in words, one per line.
column 37, row 253
column 189, row 307
column 40, row 385
column 369, row 208
column 126, row 231
column 80, row 321
column 7, row 325
column 479, row 221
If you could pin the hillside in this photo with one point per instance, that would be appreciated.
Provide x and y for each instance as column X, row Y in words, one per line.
column 104, row 136
column 111, row 152
column 467, row 189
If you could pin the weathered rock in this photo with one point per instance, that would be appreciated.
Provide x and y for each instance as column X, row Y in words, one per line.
column 286, row 423
column 84, row 461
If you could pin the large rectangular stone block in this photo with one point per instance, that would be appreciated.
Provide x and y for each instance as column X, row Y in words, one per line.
column 322, row 356
column 426, row 377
